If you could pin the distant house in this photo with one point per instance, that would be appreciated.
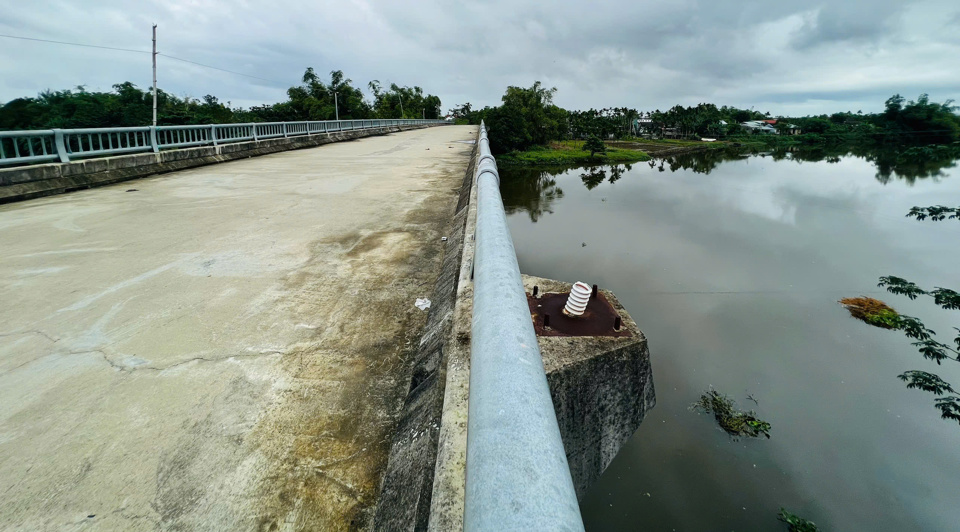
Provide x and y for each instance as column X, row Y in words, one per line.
column 756, row 127
column 784, row 129
column 792, row 129
column 768, row 127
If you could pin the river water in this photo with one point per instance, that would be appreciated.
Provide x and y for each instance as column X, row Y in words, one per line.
column 732, row 266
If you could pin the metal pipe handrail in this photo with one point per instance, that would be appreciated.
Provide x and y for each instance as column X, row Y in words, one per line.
column 517, row 472
column 64, row 145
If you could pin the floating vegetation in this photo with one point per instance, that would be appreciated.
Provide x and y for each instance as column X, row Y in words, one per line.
column 872, row 311
column 795, row 523
column 735, row 422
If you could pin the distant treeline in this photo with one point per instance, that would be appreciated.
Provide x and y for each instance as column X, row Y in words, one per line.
column 528, row 117
column 128, row 105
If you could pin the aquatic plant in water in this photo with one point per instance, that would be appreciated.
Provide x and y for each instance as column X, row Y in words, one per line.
column 795, row 523
column 872, row 311
column 735, row 422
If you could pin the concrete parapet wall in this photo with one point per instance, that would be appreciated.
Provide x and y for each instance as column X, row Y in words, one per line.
column 28, row 182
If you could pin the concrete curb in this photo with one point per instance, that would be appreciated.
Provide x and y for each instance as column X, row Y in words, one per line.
column 446, row 504
column 408, row 483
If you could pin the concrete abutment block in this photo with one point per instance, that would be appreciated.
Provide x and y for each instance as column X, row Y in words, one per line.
column 601, row 386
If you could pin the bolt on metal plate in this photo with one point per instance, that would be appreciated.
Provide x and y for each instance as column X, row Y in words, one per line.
column 599, row 319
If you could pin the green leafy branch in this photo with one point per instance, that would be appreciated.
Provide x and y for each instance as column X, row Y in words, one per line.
column 936, row 213
column 926, row 344
column 795, row 523
column 927, row 382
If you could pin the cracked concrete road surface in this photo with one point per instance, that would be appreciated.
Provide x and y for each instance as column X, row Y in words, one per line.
column 220, row 348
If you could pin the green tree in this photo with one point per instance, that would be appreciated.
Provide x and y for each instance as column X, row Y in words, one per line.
column 317, row 100
column 919, row 122
column 462, row 111
column 128, row 105
column 594, row 145
column 21, row 113
column 526, row 118
column 462, row 114
column 404, row 102
column 615, row 121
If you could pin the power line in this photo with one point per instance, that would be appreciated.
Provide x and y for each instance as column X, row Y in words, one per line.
column 141, row 52
column 75, row 44
column 217, row 68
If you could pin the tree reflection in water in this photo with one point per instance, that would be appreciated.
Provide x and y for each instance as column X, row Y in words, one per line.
column 616, row 172
column 530, row 190
column 534, row 190
column 593, row 176
column 907, row 164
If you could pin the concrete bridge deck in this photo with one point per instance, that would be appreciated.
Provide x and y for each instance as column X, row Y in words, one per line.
column 221, row 348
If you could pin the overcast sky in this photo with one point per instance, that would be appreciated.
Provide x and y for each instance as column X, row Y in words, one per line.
column 789, row 58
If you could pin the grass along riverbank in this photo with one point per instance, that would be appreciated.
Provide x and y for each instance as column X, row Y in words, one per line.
column 667, row 147
column 570, row 152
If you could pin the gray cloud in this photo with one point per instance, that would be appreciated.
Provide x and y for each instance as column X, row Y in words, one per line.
column 859, row 21
column 780, row 56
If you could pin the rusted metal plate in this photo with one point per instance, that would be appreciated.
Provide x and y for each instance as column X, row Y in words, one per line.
column 600, row 318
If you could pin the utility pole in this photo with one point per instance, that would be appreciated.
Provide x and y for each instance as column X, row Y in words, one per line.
column 336, row 106
column 154, row 75
column 401, row 104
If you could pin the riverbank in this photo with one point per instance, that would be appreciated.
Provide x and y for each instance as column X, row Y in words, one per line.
column 666, row 147
column 570, row 152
